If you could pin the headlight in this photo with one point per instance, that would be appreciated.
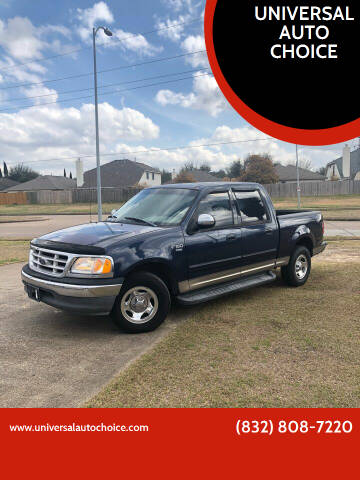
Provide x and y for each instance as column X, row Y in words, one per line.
column 92, row 266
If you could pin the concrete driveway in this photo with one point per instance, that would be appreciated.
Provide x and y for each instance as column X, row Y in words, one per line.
column 52, row 359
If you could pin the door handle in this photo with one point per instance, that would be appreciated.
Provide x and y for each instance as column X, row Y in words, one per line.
column 268, row 230
column 231, row 236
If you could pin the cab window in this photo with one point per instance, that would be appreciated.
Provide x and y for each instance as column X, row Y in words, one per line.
column 251, row 207
column 218, row 205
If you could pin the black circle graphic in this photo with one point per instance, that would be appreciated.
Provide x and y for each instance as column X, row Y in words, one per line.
column 301, row 93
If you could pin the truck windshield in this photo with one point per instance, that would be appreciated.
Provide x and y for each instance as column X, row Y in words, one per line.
column 157, row 206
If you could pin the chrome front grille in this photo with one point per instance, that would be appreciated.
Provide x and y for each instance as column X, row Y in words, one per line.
column 48, row 261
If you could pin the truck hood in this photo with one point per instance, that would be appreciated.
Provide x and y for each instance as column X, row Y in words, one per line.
column 92, row 234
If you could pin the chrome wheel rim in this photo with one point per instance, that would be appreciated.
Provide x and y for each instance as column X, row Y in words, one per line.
column 139, row 305
column 301, row 266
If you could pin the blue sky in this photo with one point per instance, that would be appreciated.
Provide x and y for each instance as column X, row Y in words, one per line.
column 192, row 111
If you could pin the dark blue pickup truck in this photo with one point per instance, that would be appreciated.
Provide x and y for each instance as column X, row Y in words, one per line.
column 184, row 242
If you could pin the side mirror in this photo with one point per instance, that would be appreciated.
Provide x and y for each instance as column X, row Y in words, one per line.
column 206, row 220
column 111, row 217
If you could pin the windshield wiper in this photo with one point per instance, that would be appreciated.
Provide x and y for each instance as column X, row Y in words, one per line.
column 145, row 222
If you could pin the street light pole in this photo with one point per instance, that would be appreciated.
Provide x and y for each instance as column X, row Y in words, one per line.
column 98, row 171
column 297, row 176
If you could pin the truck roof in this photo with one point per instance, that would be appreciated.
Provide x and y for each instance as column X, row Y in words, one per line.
column 204, row 185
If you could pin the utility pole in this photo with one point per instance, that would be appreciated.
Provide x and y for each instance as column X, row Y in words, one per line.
column 297, row 176
column 98, row 171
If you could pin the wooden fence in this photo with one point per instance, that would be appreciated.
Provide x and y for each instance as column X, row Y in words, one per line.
column 79, row 195
column 120, row 195
column 108, row 195
column 10, row 198
column 314, row 189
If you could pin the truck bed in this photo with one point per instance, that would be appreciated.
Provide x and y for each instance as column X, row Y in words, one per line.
column 280, row 213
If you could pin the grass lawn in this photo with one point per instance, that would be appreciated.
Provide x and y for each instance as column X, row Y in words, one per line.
column 13, row 251
column 340, row 207
column 272, row 346
column 338, row 202
column 341, row 214
column 74, row 208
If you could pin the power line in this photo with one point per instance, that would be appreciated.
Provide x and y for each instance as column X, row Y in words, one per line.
column 154, row 150
column 23, row 107
column 114, row 41
column 104, row 86
column 122, row 67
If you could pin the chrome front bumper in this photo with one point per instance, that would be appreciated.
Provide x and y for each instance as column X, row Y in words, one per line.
column 72, row 290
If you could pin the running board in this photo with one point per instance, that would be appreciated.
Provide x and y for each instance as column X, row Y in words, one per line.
column 210, row 293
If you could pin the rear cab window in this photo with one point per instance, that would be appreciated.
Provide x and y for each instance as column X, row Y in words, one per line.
column 251, row 208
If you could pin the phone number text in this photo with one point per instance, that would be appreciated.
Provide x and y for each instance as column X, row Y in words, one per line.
column 268, row 427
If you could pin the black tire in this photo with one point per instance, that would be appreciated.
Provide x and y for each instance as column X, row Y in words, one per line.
column 150, row 290
column 292, row 274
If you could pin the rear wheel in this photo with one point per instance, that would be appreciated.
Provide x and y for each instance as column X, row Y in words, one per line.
column 298, row 270
column 142, row 304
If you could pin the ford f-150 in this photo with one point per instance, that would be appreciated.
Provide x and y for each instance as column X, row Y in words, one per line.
column 185, row 242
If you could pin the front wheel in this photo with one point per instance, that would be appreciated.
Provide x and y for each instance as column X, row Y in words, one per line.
column 142, row 304
column 298, row 270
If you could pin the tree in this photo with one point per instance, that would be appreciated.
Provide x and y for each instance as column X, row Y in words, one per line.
column 235, row 170
column 205, row 167
column 64, row 173
column 70, row 175
column 184, row 176
column 322, row 171
column 219, row 173
column 6, row 171
column 0, row 173
column 260, row 169
column 165, row 176
column 188, row 166
column 303, row 163
column 21, row 173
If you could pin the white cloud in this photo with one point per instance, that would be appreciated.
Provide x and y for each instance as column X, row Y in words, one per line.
column 205, row 96
column 39, row 91
column 90, row 17
column 133, row 43
column 217, row 157
column 172, row 29
column 55, row 29
column 56, row 132
column 195, row 43
column 177, row 5
column 100, row 14
column 20, row 39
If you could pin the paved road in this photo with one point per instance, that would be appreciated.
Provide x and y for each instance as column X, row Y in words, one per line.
column 345, row 229
column 52, row 359
column 49, row 223
column 56, row 222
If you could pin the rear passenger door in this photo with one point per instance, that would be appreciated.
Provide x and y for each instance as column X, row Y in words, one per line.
column 259, row 230
column 212, row 251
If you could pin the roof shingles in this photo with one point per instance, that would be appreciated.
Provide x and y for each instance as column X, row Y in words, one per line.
column 6, row 182
column 118, row 173
column 287, row 173
column 45, row 182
